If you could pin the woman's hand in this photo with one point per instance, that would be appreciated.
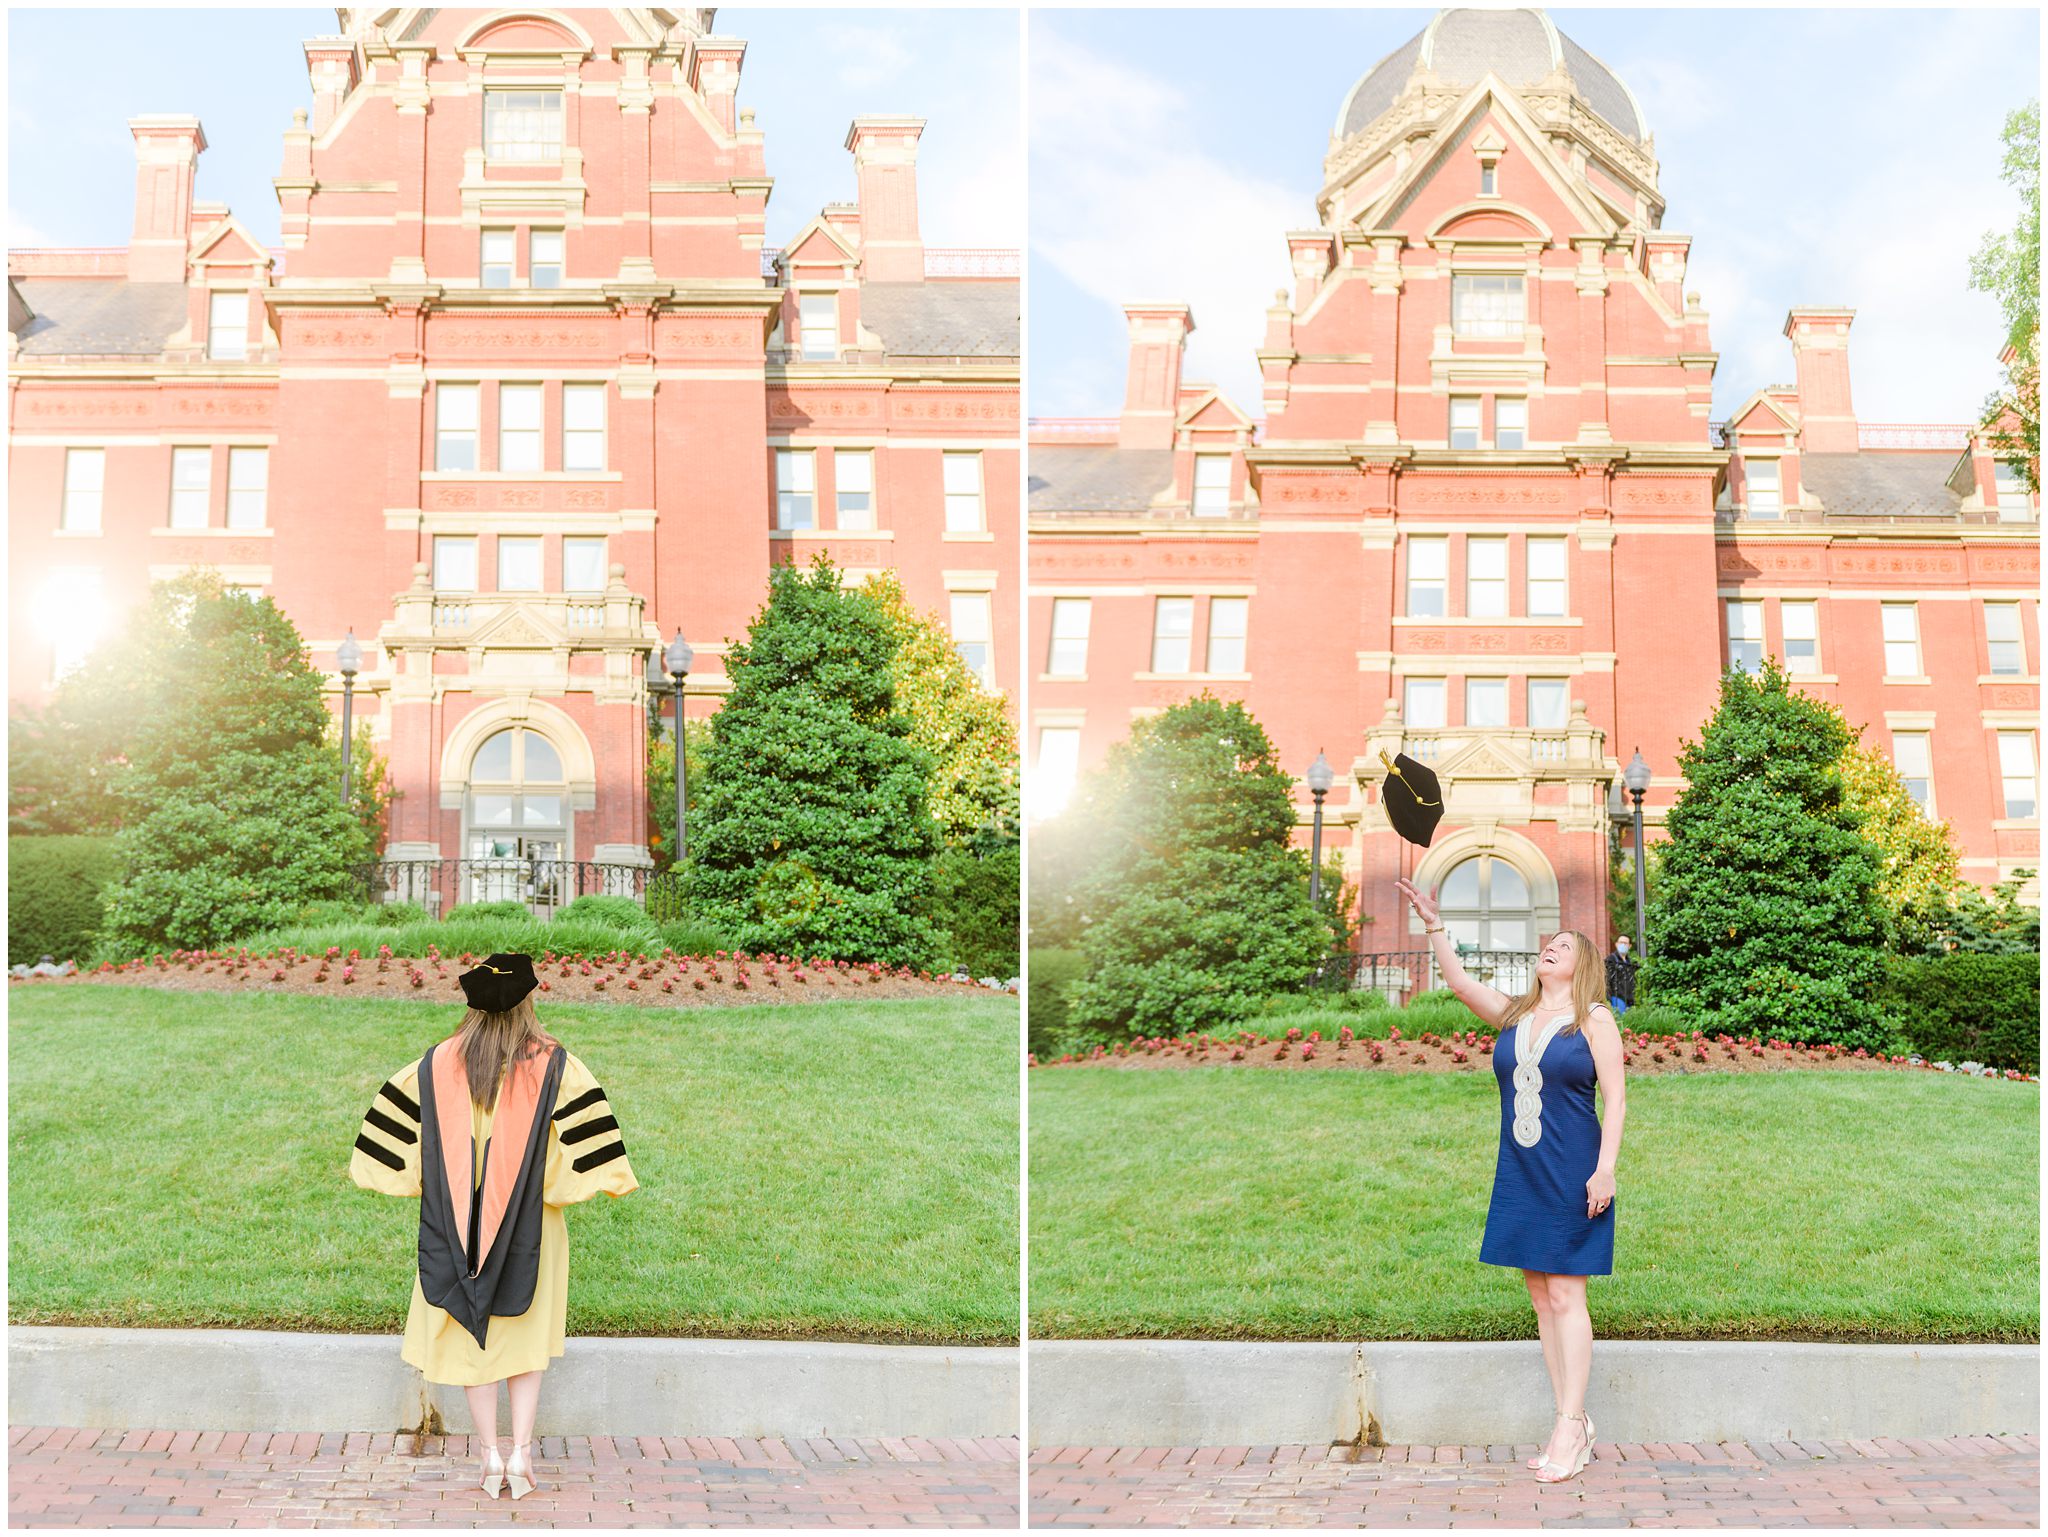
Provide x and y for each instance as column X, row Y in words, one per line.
column 1425, row 907
column 1599, row 1192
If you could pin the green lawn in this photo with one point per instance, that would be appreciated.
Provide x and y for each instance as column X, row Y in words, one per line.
column 844, row 1170
column 1211, row 1203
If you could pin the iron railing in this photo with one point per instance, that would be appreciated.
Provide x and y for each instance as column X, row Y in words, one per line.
column 542, row 884
column 1401, row 974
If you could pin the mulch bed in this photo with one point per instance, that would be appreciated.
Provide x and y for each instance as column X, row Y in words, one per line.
column 1472, row 1052
column 667, row 980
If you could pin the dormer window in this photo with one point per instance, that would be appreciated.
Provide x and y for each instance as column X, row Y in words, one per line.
column 1212, row 485
column 523, row 127
column 1765, row 498
column 2015, row 502
column 1490, row 306
column 227, row 325
column 818, row 323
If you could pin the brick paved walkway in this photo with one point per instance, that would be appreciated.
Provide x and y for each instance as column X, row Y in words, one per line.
column 1967, row 1481
column 209, row 1478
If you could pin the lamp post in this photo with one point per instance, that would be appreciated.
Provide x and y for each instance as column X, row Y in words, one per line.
column 349, row 657
column 678, row 658
column 1320, row 778
column 1637, row 777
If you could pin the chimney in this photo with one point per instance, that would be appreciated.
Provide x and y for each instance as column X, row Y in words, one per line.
column 1159, row 334
column 715, row 71
column 331, row 69
column 1820, row 351
column 166, row 160
column 885, row 167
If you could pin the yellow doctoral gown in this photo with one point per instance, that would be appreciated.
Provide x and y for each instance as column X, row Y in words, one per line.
column 586, row 1157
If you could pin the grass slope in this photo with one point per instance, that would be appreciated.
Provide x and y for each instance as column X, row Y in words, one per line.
column 846, row 1170
column 1206, row 1203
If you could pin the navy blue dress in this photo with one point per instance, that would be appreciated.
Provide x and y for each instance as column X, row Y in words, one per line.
column 1537, row 1220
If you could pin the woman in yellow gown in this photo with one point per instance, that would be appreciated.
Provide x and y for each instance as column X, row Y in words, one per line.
column 490, row 1297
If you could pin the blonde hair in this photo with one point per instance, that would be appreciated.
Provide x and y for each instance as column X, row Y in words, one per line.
column 1589, row 986
column 491, row 1042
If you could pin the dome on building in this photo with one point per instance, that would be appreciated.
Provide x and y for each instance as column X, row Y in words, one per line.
column 1522, row 47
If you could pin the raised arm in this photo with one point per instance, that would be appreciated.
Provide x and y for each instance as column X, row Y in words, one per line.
column 1488, row 1003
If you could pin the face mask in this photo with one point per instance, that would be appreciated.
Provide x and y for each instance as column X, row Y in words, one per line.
column 1621, row 949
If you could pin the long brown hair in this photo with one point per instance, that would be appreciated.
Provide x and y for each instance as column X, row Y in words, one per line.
column 1589, row 986
column 491, row 1042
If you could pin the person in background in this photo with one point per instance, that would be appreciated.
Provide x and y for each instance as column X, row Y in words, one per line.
column 1621, row 976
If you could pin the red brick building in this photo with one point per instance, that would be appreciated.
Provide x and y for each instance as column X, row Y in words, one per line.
column 1484, row 517
column 522, row 395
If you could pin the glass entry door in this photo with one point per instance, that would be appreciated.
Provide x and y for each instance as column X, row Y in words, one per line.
column 516, row 830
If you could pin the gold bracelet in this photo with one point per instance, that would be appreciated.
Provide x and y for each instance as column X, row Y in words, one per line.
column 1437, row 930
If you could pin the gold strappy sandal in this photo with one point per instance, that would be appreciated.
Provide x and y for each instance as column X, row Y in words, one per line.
column 1579, row 1460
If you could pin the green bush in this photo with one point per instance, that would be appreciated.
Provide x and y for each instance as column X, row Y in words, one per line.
column 1656, row 1019
column 619, row 912
column 686, row 936
column 974, row 900
column 54, row 885
column 328, row 913
column 1351, row 1001
column 1053, row 971
column 464, row 911
column 396, row 915
column 1969, row 1007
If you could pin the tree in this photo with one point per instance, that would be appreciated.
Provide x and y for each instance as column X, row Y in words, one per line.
column 1195, row 906
column 813, row 834
column 1973, row 921
column 231, row 808
column 965, row 727
column 1768, row 918
column 1919, row 864
column 2009, row 266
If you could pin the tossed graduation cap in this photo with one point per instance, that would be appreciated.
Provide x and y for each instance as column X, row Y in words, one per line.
column 1413, row 798
column 498, row 982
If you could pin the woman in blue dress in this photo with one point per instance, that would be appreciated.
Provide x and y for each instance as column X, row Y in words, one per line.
column 1552, row 1214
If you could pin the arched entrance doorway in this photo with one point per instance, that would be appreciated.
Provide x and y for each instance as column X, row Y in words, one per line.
column 515, row 820
column 1489, row 915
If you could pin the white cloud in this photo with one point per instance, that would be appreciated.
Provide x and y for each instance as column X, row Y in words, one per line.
column 868, row 56
column 1128, row 209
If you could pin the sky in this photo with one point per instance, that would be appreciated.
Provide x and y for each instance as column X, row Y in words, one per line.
column 808, row 73
column 1830, row 157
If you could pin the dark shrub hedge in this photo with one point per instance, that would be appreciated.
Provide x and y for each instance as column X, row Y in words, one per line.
column 974, row 900
column 1969, row 1007
column 1052, row 973
column 53, row 895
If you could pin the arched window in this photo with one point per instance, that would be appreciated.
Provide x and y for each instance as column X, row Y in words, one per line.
column 1485, row 905
column 517, row 813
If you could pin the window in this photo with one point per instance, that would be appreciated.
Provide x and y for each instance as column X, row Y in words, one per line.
column 1546, row 578
column 544, row 258
column 519, row 428
column 1428, row 566
column 227, row 325
column 518, row 563
column 497, row 258
column 1059, row 761
column 1464, row 421
column 1901, row 640
column 1485, row 906
column 1227, row 619
column 1068, row 656
column 2002, row 629
column 191, row 483
column 85, row 473
column 1761, row 478
column 455, row 426
column 1745, row 635
column 2016, row 771
column 248, row 487
column 454, row 563
column 1173, row 628
column 583, row 566
column 853, row 484
column 1486, row 702
column 818, row 317
column 795, row 484
column 1486, row 577
column 1802, row 637
column 583, row 446
column 971, row 635
column 71, row 612
column 2015, row 505
column 1487, row 305
column 1212, row 485
column 1422, row 702
column 517, row 816
column 963, row 493
column 1549, row 704
column 1489, row 179
column 523, row 126
column 1510, row 422
column 1915, row 765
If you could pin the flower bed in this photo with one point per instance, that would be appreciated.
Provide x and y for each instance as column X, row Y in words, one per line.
column 1471, row 1051
column 667, row 980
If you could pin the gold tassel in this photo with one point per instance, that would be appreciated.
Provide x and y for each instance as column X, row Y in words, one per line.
column 1395, row 768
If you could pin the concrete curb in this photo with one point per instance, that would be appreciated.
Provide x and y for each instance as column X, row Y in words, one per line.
column 220, row 1379
column 1202, row 1393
